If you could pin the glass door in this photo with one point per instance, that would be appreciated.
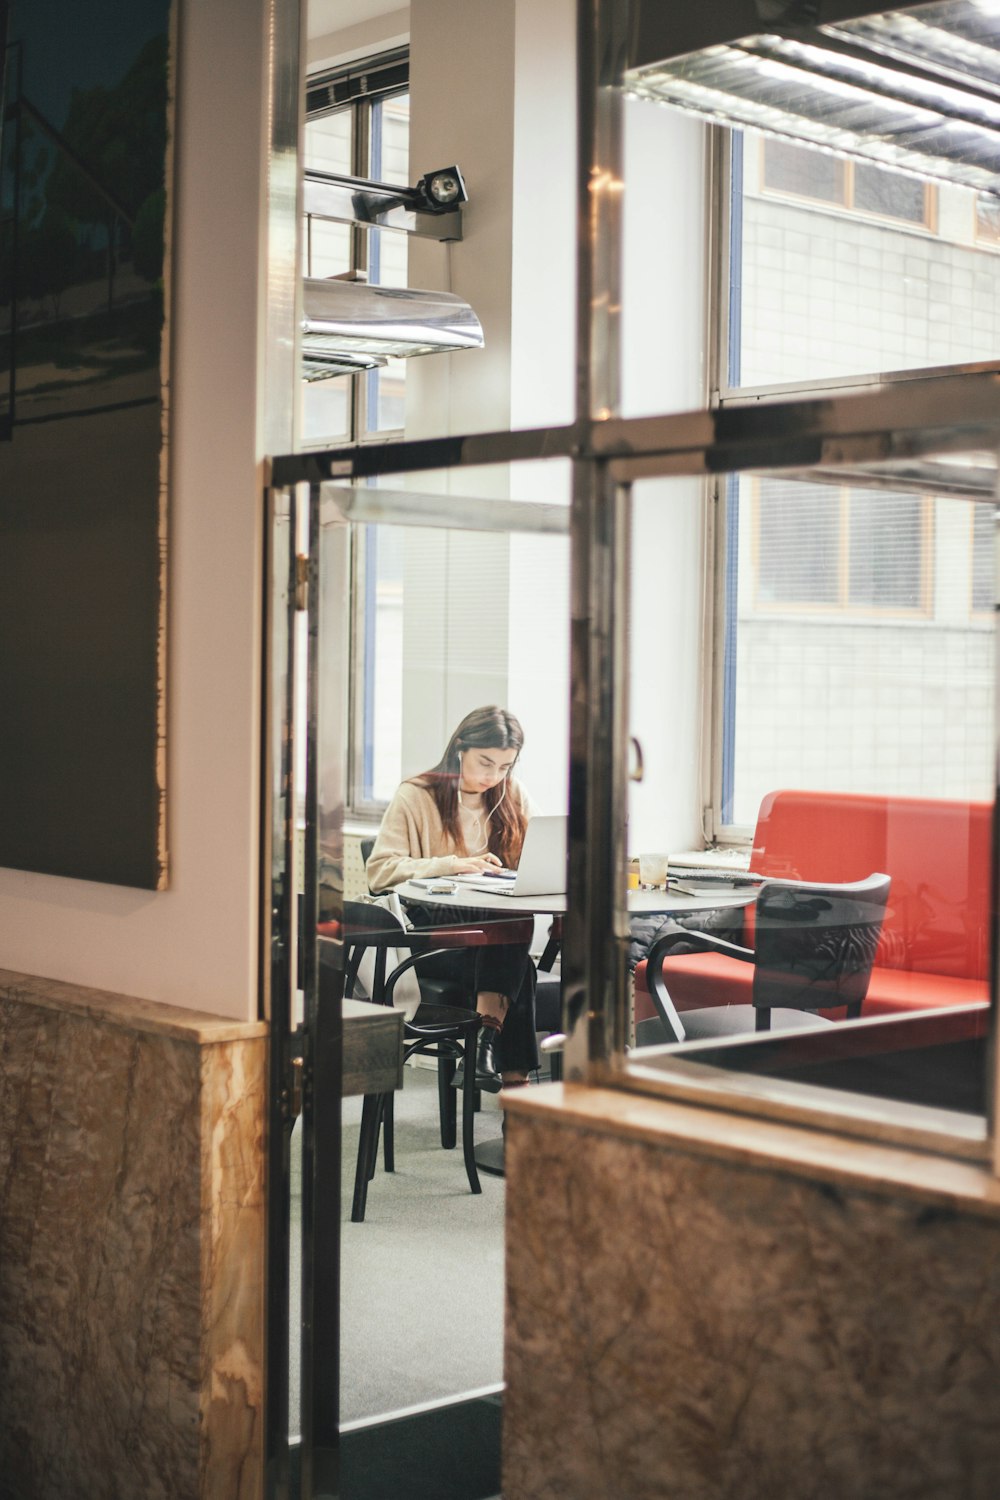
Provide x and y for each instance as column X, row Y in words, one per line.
column 405, row 611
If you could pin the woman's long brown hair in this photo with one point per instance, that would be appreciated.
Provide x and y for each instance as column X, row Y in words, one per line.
column 484, row 729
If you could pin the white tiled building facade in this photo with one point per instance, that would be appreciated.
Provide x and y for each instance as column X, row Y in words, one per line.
column 887, row 693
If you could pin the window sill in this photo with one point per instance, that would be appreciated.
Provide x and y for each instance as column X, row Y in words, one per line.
column 359, row 826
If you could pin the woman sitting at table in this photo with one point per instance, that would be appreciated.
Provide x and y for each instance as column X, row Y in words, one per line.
column 465, row 815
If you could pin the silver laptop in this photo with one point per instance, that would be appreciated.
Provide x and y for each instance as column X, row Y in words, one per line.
column 541, row 870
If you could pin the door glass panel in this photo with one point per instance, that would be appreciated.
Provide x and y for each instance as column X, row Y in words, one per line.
column 862, row 657
column 454, row 711
column 857, row 698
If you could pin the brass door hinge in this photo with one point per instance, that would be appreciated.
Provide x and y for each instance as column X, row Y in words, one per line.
column 301, row 583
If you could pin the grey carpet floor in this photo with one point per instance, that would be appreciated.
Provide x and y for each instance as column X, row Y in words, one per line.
column 422, row 1277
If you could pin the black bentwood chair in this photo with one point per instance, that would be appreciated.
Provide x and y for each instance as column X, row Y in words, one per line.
column 437, row 990
column 445, row 1032
column 548, row 996
column 814, row 946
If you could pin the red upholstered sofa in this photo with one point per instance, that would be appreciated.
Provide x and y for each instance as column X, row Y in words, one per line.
column 934, row 946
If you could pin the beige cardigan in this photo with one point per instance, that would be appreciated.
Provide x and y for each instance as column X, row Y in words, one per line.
column 412, row 841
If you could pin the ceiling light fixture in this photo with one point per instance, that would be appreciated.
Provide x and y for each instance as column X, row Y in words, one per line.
column 349, row 325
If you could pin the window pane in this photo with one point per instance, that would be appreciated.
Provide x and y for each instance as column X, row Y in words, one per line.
column 798, row 542
column 416, row 654
column 325, row 410
column 328, row 148
column 868, row 695
column 886, row 551
column 387, row 255
column 984, row 541
column 808, row 174
column 380, row 721
column 890, row 194
column 388, row 265
column 326, row 404
column 387, row 397
column 328, row 144
column 863, row 754
column 988, row 217
column 327, row 247
column 390, row 162
column 823, row 290
column 393, row 132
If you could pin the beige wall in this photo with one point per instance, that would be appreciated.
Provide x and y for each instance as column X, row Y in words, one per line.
column 195, row 943
column 131, row 1271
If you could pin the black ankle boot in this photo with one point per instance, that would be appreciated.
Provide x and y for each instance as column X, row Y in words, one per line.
column 487, row 1072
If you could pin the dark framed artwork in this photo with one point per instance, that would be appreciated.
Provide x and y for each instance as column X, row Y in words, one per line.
column 85, row 141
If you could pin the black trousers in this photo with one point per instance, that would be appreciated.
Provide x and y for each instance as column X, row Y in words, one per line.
column 502, row 968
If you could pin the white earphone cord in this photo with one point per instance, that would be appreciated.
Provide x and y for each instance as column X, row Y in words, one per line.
column 490, row 811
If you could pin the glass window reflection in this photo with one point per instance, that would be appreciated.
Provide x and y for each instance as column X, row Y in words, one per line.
column 855, row 929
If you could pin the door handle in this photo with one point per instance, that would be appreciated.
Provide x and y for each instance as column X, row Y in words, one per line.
column 638, row 770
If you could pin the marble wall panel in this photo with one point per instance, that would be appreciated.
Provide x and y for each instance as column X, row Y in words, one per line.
column 131, row 1233
column 681, row 1325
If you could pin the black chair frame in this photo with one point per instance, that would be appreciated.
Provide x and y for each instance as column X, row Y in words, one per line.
column 548, row 1003
column 814, row 950
column 447, row 1033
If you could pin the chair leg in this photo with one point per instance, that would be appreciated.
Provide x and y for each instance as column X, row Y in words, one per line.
column 549, row 955
column 469, row 1111
column 367, row 1147
column 388, row 1134
column 446, row 1101
column 373, row 1144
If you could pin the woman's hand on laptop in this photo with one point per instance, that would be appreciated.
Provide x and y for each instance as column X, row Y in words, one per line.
column 475, row 864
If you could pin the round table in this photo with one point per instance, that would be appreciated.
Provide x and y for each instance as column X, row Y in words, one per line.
column 640, row 903
column 490, row 1154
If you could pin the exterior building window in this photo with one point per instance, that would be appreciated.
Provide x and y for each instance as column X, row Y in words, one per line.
column 984, row 542
column 860, row 187
column 820, row 547
column 988, row 219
